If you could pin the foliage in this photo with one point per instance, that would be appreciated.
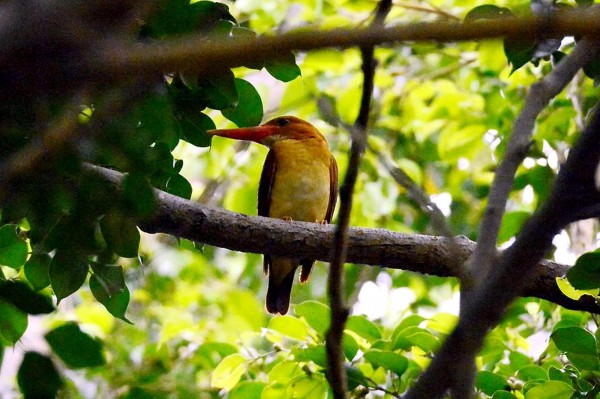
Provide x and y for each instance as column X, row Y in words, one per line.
column 160, row 317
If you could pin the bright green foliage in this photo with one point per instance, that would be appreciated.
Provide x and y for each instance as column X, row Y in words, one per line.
column 13, row 249
column 441, row 112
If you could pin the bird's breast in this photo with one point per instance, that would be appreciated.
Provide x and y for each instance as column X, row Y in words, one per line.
column 301, row 185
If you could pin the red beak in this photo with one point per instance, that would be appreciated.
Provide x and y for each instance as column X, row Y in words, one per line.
column 256, row 134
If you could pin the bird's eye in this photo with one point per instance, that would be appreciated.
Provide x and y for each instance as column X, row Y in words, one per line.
column 283, row 122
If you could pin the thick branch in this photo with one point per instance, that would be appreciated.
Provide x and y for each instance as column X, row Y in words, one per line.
column 375, row 247
column 199, row 55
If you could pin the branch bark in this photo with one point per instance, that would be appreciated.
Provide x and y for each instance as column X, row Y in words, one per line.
column 373, row 247
column 199, row 55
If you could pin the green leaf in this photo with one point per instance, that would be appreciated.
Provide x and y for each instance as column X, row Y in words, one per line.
column 108, row 287
column 284, row 67
column 455, row 143
column 585, row 274
column 550, row 390
column 532, row 372
column 311, row 386
column 247, row 390
column 519, row 52
column 418, row 337
column 503, row 395
column 67, row 273
column 487, row 11
column 179, row 186
column 37, row 269
column 13, row 249
column 24, row 298
column 355, row 377
column 121, row 234
column 315, row 354
column 13, row 323
column 38, row 377
column 220, row 90
column 349, row 346
column 289, row 326
column 138, row 194
column 194, row 127
column 283, row 372
column 227, row 374
column 489, row 382
column 249, row 110
column 574, row 340
column 389, row 360
column 511, row 224
column 316, row 315
column 74, row 347
column 584, row 362
column 363, row 327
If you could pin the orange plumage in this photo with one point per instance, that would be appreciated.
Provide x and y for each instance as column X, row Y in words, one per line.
column 298, row 182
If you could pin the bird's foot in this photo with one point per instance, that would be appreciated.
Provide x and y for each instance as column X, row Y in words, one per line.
column 287, row 218
column 322, row 221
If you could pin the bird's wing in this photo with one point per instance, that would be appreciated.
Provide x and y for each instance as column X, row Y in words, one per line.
column 307, row 264
column 265, row 187
column 333, row 189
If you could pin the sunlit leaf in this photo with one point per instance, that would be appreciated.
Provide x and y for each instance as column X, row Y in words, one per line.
column 227, row 374
column 13, row 249
column 550, row 390
column 13, row 323
column 489, row 382
column 309, row 387
column 289, row 326
column 363, row 327
column 316, row 315
column 247, row 390
column 389, row 360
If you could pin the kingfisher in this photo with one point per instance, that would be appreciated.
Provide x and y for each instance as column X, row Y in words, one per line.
column 299, row 181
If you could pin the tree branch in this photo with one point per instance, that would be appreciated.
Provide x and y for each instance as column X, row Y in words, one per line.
column 374, row 247
column 199, row 55
column 336, row 374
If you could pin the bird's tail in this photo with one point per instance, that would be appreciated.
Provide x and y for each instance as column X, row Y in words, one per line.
column 281, row 277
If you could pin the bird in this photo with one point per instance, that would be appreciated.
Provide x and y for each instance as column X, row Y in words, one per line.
column 299, row 181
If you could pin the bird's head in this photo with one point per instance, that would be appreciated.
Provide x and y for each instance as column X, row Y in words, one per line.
column 277, row 129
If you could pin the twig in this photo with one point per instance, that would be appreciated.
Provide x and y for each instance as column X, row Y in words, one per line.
column 336, row 374
column 438, row 220
column 432, row 10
